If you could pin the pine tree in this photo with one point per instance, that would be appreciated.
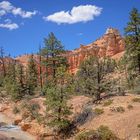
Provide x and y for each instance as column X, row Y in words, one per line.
column 40, row 69
column 20, row 78
column 56, row 100
column 2, row 62
column 53, row 51
column 91, row 76
column 132, row 39
column 2, row 66
column 32, row 75
column 10, row 82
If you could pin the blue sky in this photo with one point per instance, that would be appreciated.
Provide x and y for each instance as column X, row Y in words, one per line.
column 25, row 23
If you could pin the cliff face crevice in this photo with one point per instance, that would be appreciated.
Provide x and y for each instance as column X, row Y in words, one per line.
column 109, row 44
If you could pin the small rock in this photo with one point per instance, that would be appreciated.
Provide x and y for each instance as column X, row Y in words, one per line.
column 25, row 126
column 3, row 108
column 17, row 121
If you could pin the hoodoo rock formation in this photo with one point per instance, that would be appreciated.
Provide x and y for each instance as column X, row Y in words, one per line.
column 110, row 44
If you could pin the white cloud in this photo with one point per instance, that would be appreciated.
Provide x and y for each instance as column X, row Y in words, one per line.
column 10, row 26
column 23, row 14
column 2, row 12
column 6, row 7
column 80, row 34
column 82, row 13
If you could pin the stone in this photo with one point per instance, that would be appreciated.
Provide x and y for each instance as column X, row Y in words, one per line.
column 110, row 44
column 25, row 126
column 17, row 121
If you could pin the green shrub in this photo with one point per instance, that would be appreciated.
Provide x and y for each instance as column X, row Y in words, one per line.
column 102, row 133
column 16, row 110
column 136, row 100
column 138, row 125
column 31, row 110
column 107, row 103
column 117, row 109
column 130, row 107
column 98, row 111
column 105, row 133
column 86, row 135
column 120, row 109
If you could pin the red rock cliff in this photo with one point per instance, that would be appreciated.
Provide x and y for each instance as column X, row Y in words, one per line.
column 110, row 44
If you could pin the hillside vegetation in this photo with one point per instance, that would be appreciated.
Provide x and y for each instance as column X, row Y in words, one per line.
column 100, row 102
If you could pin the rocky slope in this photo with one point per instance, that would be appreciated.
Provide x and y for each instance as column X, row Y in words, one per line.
column 110, row 44
column 120, row 113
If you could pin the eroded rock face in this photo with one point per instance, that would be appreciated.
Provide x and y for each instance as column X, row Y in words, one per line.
column 109, row 44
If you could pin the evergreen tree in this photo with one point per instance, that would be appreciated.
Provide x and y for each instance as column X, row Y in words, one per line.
column 56, row 100
column 20, row 78
column 10, row 82
column 132, row 39
column 40, row 69
column 91, row 76
column 2, row 66
column 53, row 51
column 32, row 75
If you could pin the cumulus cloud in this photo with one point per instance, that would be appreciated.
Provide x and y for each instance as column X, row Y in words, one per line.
column 82, row 13
column 9, row 25
column 6, row 7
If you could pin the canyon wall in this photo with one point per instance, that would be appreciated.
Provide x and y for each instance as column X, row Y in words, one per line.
column 110, row 44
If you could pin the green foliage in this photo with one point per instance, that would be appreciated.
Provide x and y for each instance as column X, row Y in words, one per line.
column 132, row 55
column 138, row 125
column 56, row 100
column 119, row 109
column 130, row 107
column 132, row 39
column 14, row 80
column 99, row 111
column 102, row 133
column 86, row 135
column 10, row 82
column 136, row 85
column 31, row 110
column 16, row 110
column 91, row 76
column 108, row 102
column 136, row 100
column 53, row 51
column 31, row 79
column 105, row 133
